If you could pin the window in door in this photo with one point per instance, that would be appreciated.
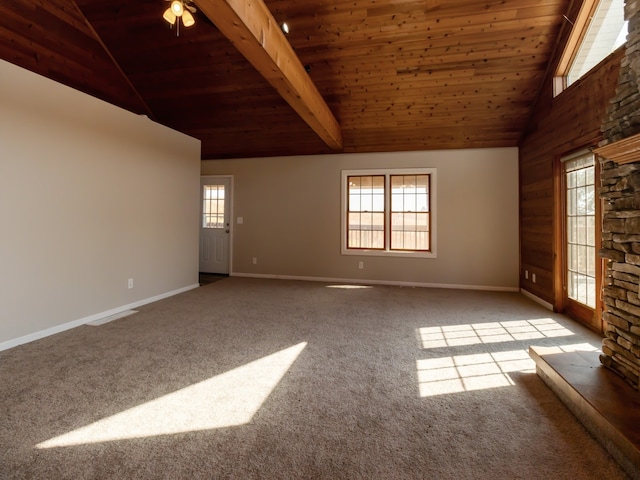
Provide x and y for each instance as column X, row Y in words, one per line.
column 213, row 206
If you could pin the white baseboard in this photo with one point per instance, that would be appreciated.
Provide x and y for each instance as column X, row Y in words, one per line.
column 352, row 281
column 111, row 318
column 91, row 318
column 536, row 299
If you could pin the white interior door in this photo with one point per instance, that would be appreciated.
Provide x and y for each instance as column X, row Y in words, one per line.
column 215, row 224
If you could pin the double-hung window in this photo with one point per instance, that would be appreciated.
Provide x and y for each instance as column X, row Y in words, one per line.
column 389, row 212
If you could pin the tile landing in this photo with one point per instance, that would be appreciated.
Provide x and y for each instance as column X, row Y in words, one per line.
column 603, row 402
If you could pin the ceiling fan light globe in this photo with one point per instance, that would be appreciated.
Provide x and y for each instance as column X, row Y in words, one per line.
column 187, row 19
column 177, row 8
column 169, row 16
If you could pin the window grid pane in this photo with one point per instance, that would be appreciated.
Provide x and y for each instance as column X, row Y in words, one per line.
column 366, row 220
column 410, row 219
column 580, row 224
column 213, row 206
column 388, row 211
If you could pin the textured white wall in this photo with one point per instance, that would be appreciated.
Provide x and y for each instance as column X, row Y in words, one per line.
column 90, row 195
column 291, row 211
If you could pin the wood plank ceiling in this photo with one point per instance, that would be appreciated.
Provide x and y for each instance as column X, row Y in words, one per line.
column 396, row 74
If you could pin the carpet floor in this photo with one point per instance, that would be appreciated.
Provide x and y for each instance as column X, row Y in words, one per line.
column 273, row 379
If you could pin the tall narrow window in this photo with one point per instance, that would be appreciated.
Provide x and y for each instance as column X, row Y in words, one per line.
column 410, row 212
column 581, row 229
column 388, row 212
column 366, row 212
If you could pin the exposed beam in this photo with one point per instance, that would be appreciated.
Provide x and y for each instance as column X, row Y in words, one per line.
column 251, row 28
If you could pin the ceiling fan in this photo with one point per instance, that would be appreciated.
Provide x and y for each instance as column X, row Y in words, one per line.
column 180, row 9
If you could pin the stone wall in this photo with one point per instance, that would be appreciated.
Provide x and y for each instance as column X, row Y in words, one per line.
column 620, row 192
column 623, row 116
column 621, row 247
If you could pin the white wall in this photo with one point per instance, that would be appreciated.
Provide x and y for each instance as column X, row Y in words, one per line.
column 291, row 218
column 90, row 196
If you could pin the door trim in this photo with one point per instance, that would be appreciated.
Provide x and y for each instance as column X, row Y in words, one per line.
column 231, row 215
column 591, row 319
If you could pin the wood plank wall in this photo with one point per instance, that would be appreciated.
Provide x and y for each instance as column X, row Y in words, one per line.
column 560, row 125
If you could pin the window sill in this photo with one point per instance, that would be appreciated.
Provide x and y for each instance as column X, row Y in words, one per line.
column 388, row 253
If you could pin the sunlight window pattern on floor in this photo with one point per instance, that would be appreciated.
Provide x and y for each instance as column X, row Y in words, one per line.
column 481, row 371
column 462, row 373
column 493, row 368
column 490, row 332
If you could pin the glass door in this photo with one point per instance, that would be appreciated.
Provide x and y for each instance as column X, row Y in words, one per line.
column 581, row 233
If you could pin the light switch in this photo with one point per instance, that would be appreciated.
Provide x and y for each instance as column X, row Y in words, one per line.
column 239, row 220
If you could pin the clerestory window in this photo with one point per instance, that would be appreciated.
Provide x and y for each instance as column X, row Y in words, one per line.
column 598, row 30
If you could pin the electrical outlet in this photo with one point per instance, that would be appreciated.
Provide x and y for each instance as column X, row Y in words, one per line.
column 130, row 283
column 360, row 265
column 255, row 260
column 526, row 274
column 533, row 277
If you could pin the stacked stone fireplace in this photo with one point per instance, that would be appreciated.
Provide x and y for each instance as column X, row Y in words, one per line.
column 620, row 192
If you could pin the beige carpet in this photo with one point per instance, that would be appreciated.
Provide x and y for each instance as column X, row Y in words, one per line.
column 268, row 379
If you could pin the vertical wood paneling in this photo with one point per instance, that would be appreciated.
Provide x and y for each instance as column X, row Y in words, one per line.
column 558, row 126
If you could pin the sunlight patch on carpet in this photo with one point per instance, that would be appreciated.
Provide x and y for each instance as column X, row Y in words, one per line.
column 490, row 332
column 463, row 373
column 226, row 400
column 480, row 371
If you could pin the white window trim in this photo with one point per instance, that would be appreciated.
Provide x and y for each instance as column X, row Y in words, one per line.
column 390, row 171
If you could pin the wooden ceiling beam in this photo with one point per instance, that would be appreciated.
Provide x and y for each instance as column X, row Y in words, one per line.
column 251, row 28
